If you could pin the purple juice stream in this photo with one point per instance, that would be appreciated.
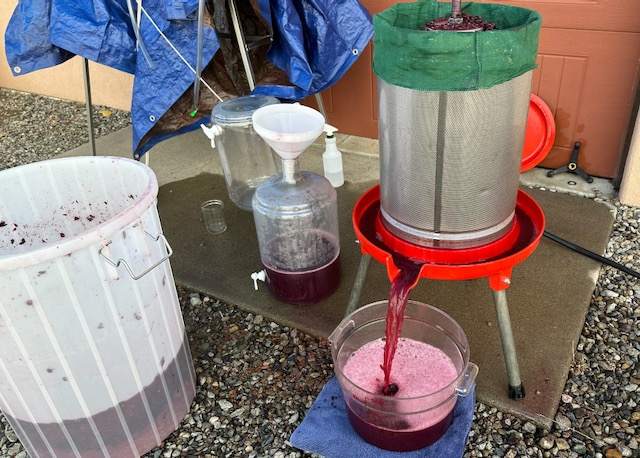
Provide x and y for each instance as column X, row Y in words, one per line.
column 398, row 438
column 401, row 286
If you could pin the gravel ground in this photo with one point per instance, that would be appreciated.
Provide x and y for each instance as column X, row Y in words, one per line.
column 256, row 379
column 35, row 128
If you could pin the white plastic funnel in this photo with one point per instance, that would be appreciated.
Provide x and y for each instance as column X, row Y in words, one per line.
column 288, row 128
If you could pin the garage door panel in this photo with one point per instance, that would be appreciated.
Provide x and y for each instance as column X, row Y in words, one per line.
column 559, row 83
column 351, row 105
column 590, row 89
column 611, row 15
column 587, row 73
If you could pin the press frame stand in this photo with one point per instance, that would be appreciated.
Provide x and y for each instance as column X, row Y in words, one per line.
column 246, row 44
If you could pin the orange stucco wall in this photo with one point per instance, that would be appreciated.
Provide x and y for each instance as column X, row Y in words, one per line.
column 630, row 185
column 108, row 86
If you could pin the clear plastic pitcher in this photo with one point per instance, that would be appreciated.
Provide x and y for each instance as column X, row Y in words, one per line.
column 94, row 358
column 394, row 422
column 245, row 157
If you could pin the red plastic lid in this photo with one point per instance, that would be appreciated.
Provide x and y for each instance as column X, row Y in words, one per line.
column 540, row 134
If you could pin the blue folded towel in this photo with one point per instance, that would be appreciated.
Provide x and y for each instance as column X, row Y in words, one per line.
column 326, row 430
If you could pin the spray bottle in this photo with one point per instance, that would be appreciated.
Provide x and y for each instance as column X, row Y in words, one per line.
column 332, row 159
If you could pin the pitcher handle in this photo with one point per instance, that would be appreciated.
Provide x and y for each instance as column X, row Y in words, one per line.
column 336, row 336
column 468, row 380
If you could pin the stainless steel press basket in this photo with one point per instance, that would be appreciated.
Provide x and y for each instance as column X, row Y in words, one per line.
column 450, row 161
column 452, row 119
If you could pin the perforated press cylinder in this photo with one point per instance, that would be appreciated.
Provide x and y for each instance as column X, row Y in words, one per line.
column 452, row 121
column 450, row 161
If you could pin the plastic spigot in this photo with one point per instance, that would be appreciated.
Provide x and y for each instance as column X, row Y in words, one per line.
column 261, row 275
column 212, row 132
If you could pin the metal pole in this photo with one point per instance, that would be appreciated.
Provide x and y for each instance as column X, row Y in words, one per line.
column 196, row 83
column 455, row 8
column 358, row 284
column 246, row 60
column 516, row 389
column 242, row 44
column 87, row 97
column 321, row 107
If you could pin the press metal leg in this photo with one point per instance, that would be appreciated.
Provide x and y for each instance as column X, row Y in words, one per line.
column 358, row 284
column 244, row 47
column 242, row 44
column 516, row 389
column 321, row 107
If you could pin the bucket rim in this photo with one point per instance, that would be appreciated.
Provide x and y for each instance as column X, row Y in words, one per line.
column 99, row 234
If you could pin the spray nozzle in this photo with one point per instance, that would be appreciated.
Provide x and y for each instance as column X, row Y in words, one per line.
column 330, row 130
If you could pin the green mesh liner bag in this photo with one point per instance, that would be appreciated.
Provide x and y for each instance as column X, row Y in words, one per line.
column 406, row 55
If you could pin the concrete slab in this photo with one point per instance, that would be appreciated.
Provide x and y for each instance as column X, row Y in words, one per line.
column 548, row 298
column 187, row 155
column 568, row 183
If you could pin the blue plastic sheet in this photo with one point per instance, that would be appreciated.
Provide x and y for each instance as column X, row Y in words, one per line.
column 314, row 43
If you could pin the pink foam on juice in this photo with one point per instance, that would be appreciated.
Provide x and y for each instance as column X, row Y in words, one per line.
column 419, row 369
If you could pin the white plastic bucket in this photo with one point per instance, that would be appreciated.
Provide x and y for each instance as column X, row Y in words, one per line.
column 94, row 359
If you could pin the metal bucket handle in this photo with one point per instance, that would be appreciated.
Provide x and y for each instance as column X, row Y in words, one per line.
column 126, row 265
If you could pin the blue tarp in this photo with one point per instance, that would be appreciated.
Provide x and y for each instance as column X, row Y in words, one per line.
column 314, row 43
